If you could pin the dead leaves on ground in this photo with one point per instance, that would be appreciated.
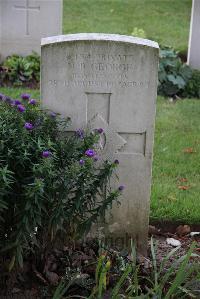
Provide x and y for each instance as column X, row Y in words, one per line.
column 183, row 180
column 183, row 230
column 183, row 187
column 189, row 150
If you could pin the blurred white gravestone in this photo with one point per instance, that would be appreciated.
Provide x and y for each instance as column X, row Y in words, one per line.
column 194, row 40
column 24, row 22
column 110, row 82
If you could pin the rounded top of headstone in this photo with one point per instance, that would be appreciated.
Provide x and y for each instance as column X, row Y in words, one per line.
column 98, row 37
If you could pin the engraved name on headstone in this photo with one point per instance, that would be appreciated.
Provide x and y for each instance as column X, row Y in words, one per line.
column 109, row 81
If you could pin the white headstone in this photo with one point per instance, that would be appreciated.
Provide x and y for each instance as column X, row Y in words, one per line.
column 194, row 40
column 110, row 82
column 24, row 22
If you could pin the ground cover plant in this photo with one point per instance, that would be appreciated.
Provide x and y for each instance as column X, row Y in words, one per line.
column 51, row 186
column 20, row 71
column 175, row 77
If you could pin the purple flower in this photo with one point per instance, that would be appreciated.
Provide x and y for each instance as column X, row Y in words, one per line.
column 53, row 114
column 1, row 97
column 8, row 100
column 116, row 161
column 21, row 108
column 17, row 102
column 28, row 126
column 25, row 96
column 90, row 153
column 46, row 154
column 81, row 162
column 100, row 130
column 121, row 188
column 80, row 133
column 12, row 103
column 32, row 102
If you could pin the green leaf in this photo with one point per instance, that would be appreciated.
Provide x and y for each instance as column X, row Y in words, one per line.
column 180, row 82
column 181, row 274
column 121, row 281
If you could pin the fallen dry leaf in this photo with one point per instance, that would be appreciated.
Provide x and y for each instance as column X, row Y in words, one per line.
column 183, row 180
column 52, row 277
column 189, row 150
column 183, row 187
column 182, row 230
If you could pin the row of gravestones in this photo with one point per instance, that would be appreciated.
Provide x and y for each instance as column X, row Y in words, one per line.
column 24, row 22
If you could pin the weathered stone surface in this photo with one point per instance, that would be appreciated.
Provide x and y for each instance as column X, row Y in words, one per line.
column 24, row 22
column 194, row 40
column 109, row 81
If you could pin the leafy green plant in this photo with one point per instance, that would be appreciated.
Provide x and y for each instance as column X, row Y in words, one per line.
column 192, row 88
column 51, row 185
column 173, row 75
column 102, row 269
column 18, row 70
column 62, row 289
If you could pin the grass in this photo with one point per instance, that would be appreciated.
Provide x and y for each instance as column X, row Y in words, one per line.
column 177, row 128
column 165, row 21
column 177, row 131
column 16, row 92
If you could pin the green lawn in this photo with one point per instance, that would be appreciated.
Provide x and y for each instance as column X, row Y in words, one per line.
column 177, row 128
column 165, row 21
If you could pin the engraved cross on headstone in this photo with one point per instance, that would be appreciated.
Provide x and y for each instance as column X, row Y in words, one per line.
column 98, row 116
column 27, row 8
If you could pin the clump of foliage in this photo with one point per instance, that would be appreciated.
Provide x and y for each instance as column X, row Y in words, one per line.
column 50, row 183
column 118, row 277
column 20, row 71
column 175, row 77
column 192, row 88
column 173, row 74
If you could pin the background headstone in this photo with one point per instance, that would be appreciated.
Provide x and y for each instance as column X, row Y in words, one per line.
column 194, row 40
column 24, row 22
column 110, row 82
